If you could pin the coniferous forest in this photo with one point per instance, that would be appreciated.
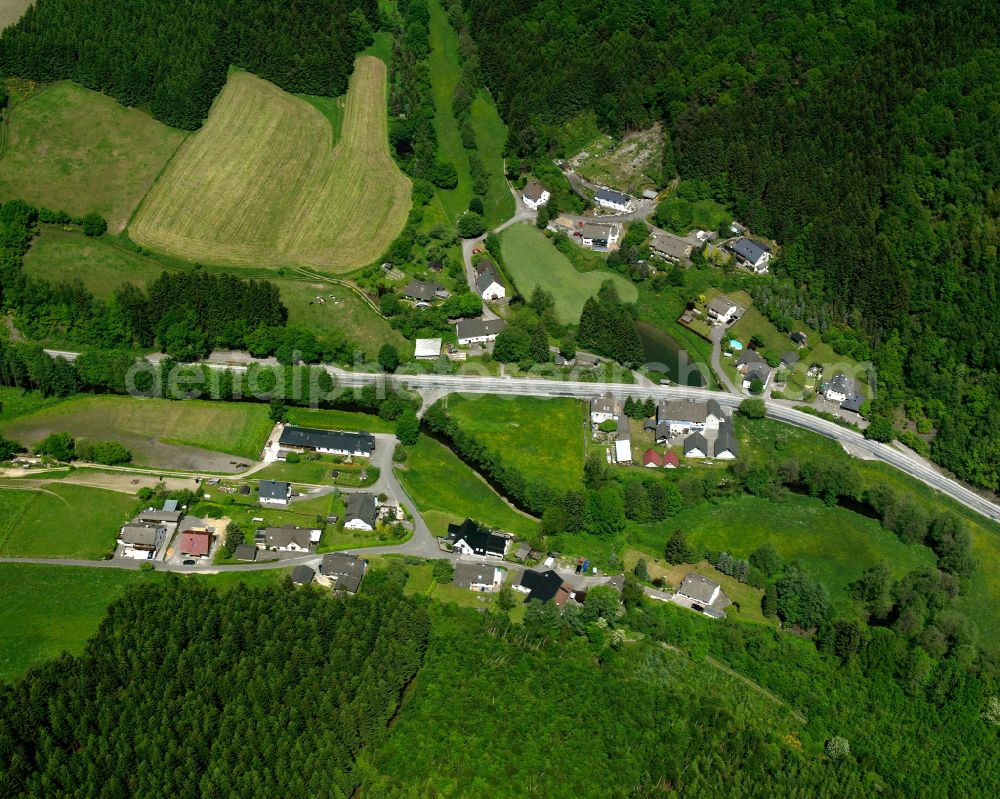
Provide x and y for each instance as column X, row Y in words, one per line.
column 861, row 137
column 171, row 56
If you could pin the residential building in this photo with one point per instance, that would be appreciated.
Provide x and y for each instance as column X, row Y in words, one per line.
column 140, row 540
column 623, row 443
column 421, row 290
column 599, row 237
column 534, row 195
column 274, row 492
column 757, row 371
column 478, row 576
column 749, row 252
column 347, row 570
column 154, row 516
column 651, row 459
column 435, row 266
column 725, row 447
column 684, row 416
column 289, row 538
column 696, row 446
column 839, row 388
column 789, row 359
column 603, row 408
column 669, row 247
column 427, row 349
column 488, row 282
column 303, row 575
column 545, row 586
column 800, row 338
column 327, row 442
column 478, row 331
column 195, row 543
column 245, row 552
column 523, row 551
column 615, row 200
column 362, row 511
column 469, row 538
column 853, row 403
column 723, row 310
column 670, row 460
column 700, row 590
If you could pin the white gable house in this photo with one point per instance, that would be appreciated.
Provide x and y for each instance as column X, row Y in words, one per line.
column 488, row 281
column 603, row 408
column 535, row 195
column 615, row 200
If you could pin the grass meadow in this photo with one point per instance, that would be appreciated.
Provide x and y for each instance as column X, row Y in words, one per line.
column 47, row 610
column 186, row 434
column 447, row 491
column 351, row 421
column 261, row 184
column 543, row 438
column 60, row 521
column 531, row 260
column 75, row 150
column 11, row 11
column 491, row 135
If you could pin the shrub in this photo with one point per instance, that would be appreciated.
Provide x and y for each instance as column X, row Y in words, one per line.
column 293, row 457
column 109, row 453
column 58, row 446
column 753, row 408
column 94, row 225
column 443, row 572
column 471, row 225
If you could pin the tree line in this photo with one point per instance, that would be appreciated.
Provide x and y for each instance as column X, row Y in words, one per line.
column 171, row 58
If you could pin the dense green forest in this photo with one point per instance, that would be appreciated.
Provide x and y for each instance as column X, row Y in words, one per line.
column 186, row 692
column 861, row 136
column 171, row 56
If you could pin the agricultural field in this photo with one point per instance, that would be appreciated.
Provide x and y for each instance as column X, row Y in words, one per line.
column 447, row 491
column 542, row 438
column 491, row 135
column 446, row 69
column 71, row 149
column 60, row 521
column 189, row 434
column 11, row 11
column 633, row 165
column 530, row 260
column 47, row 610
column 104, row 265
column 261, row 185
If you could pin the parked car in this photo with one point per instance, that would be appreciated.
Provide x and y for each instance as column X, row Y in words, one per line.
column 696, row 606
column 189, row 563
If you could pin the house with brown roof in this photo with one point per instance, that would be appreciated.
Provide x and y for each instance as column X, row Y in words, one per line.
column 535, row 195
column 195, row 543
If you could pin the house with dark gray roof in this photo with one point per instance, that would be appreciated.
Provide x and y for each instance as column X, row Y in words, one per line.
column 362, row 511
column 603, row 408
column 684, row 416
column 696, row 446
column 545, row 586
column 289, row 538
column 421, row 290
column 700, row 590
column 245, row 552
column 478, row 331
column 347, row 570
column 484, row 577
column 303, row 575
column 615, row 200
column 597, row 236
column 471, row 539
column 723, row 310
column 332, row 442
column 725, row 447
column 756, row 256
column 853, row 403
column 839, row 388
column 140, row 540
column 671, row 248
column 789, row 358
column 488, row 282
column 274, row 492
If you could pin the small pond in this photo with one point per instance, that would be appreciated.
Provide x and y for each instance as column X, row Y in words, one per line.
column 664, row 354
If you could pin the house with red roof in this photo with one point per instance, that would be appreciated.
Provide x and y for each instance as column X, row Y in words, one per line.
column 669, row 460
column 651, row 458
column 196, row 543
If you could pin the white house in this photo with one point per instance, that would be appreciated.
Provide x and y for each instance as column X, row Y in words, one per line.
column 701, row 590
column 289, row 538
column 427, row 349
column 623, row 451
column 674, row 417
column 725, row 446
column 478, row 576
column 478, row 331
column 488, row 281
column 838, row 389
column 362, row 511
column 696, row 446
column 468, row 538
column 615, row 200
column 534, row 195
column 749, row 252
column 597, row 236
column 274, row 492
column 723, row 310
column 603, row 408
column 326, row 442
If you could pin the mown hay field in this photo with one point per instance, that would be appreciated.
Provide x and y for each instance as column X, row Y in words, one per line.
column 74, row 150
column 260, row 184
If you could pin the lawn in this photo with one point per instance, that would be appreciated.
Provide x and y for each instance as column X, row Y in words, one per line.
column 445, row 69
column 186, row 434
column 75, row 150
column 531, row 260
column 624, row 164
column 491, row 135
column 339, row 420
column 542, row 438
column 835, row 545
column 11, row 11
column 104, row 265
column 447, row 491
column 318, row 472
column 50, row 609
column 690, row 215
column 261, row 184
column 15, row 402
column 61, row 521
